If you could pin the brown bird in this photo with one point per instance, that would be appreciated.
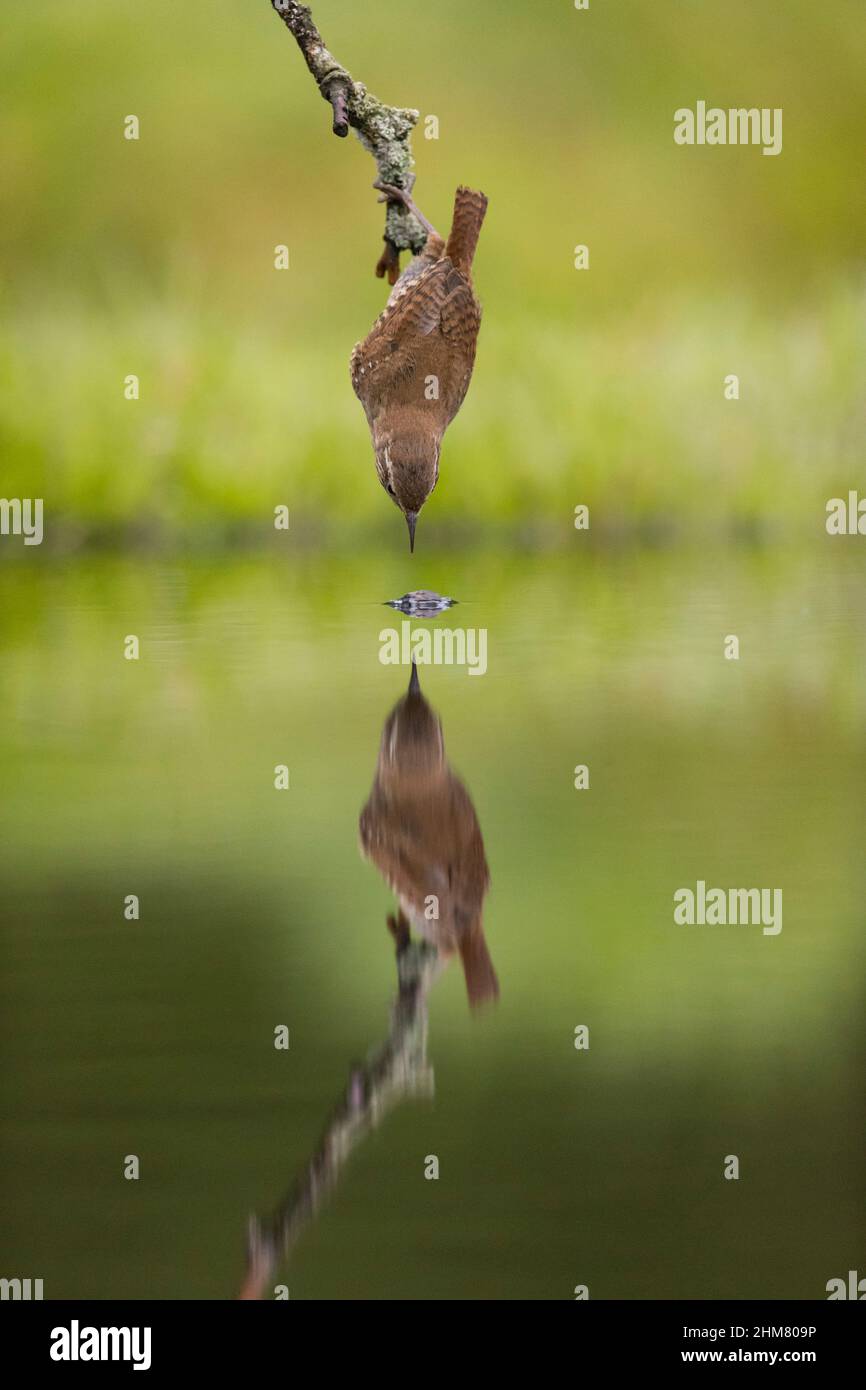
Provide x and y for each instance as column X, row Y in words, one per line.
column 412, row 371
column 420, row 830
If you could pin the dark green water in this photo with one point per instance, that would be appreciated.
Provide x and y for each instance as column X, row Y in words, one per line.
column 558, row 1167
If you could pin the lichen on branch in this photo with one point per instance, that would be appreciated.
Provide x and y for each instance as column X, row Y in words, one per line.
column 385, row 131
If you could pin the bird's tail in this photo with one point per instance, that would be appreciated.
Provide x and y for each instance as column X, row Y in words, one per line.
column 469, row 210
column 482, row 985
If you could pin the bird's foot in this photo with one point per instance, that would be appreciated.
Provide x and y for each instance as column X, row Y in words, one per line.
column 388, row 264
column 403, row 196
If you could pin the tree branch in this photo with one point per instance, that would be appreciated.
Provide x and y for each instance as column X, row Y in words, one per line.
column 385, row 131
column 398, row 1068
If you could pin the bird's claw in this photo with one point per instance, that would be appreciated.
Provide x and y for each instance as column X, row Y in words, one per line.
column 391, row 193
column 388, row 264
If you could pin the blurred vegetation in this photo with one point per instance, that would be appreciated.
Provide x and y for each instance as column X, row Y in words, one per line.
column 605, row 386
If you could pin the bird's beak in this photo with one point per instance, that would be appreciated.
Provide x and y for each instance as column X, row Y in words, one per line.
column 414, row 683
column 411, row 518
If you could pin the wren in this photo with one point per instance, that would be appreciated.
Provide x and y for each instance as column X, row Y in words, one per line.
column 412, row 371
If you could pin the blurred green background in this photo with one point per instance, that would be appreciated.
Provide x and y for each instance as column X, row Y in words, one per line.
column 605, row 386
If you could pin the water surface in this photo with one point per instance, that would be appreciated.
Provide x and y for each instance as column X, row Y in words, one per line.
column 557, row 1167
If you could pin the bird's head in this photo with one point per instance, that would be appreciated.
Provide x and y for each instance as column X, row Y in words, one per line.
column 407, row 462
column 412, row 744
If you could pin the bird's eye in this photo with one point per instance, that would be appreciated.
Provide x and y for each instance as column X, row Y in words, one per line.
column 389, row 489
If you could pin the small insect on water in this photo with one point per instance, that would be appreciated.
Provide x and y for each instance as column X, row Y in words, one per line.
column 412, row 371
column 421, row 603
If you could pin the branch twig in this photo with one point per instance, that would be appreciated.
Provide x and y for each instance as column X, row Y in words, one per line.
column 384, row 131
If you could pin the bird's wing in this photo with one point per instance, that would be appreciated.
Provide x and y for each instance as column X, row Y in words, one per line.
column 439, row 302
column 401, row 853
column 380, row 363
column 459, row 318
column 468, row 873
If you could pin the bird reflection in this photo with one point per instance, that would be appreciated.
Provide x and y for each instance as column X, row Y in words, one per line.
column 420, row 830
